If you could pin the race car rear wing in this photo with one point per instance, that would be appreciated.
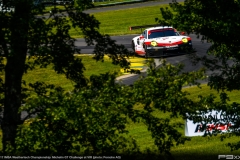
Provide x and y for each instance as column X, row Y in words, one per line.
column 145, row 26
column 151, row 25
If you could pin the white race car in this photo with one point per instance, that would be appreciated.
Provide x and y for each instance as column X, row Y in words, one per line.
column 159, row 41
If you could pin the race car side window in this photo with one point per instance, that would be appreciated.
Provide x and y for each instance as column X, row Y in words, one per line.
column 145, row 34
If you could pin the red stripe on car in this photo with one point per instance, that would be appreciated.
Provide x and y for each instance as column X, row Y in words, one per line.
column 140, row 52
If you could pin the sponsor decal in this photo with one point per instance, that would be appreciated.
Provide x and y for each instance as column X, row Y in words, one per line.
column 154, row 43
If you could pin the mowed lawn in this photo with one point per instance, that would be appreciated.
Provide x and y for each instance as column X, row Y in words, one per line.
column 49, row 76
column 118, row 22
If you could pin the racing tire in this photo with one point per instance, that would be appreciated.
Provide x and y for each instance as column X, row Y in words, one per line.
column 133, row 46
column 147, row 55
column 146, row 52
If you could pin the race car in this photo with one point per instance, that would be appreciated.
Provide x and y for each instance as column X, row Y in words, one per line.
column 160, row 41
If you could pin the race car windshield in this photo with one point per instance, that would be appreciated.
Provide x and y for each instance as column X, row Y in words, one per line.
column 161, row 33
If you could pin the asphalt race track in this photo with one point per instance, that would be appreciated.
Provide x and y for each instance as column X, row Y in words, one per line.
column 200, row 47
column 135, row 5
column 122, row 7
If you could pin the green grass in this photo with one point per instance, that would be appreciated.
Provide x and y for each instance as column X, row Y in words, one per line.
column 198, row 147
column 207, row 147
column 118, row 22
column 48, row 75
column 49, row 8
column 195, row 91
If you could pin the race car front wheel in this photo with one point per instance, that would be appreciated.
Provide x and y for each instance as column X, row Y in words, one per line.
column 146, row 51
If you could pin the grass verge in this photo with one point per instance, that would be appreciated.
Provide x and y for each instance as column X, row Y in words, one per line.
column 205, row 90
column 199, row 147
column 118, row 22
column 48, row 75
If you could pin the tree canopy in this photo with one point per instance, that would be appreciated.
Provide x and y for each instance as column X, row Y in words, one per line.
column 216, row 21
column 26, row 33
column 92, row 118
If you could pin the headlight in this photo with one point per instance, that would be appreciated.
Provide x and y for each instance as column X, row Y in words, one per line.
column 184, row 40
column 154, row 43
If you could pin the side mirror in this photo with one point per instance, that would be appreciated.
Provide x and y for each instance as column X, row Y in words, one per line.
column 182, row 33
column 141, row 37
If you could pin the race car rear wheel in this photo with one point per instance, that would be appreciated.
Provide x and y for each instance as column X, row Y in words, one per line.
column 133, row 46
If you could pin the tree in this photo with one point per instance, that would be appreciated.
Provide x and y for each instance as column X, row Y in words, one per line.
column 25, row 33
column 216, row 21
column 92, row 118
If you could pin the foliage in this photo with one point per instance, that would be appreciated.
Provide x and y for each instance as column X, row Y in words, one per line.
column 47, row 40
column 89, row 121
column 92, row 120
column 162, row 90
column 216, row 21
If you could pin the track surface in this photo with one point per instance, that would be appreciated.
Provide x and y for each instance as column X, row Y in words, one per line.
column 122, row 7
column 199, row 46
column 128, row 6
